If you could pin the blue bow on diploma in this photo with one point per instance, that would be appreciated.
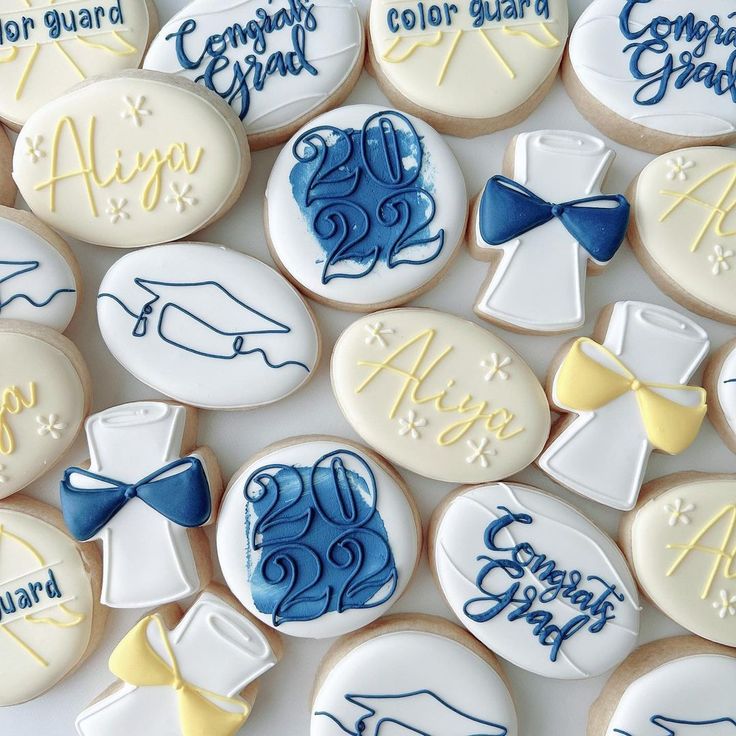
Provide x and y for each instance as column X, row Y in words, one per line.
column 182, row 497
column 508, row 210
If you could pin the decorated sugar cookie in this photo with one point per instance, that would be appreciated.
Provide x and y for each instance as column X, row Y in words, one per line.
column 467, row 67
column 7, row 185
column 680, row 228
column 439, row 395
column 418, row 674
column 626, row 387
column 278, row 63
column 145, row 497
column 680, row 540
column 365, row 207
column 720, row 382
column 45, row 394
column 50, row 621
column 534, row 580
column 45, row 50
column 655, row 74
column 681, row 686
column 184, row 674
column 543, row 225
column 132, row 159
column 318, row 536
column 237, row 332
column 39, row 275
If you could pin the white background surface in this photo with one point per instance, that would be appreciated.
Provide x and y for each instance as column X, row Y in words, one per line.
column 546, row 707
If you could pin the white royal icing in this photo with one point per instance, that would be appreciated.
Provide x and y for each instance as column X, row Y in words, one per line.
column 237, row 332
column 274, row 62
column 112, row 165
column 560, row 566
column 726, row 390
column 440, row 396
column 355, row 521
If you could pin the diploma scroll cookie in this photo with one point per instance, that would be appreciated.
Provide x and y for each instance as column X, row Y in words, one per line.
column 145, row 495
column 544, row 225
column 7, row 185
column 318, row 536
column 469, row 67
column 50, row 618
column 534, row 580
column 419, row 674
column 626, row 387
column 365, row 208
column 277, row 63
column 720, row 382
column 132, row 159
column 185, row 673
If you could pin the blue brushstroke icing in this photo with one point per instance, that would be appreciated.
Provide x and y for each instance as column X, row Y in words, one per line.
column 19, row 268
column 678, row 727
column 418, row 713
column 323, row 545
column 367, row 196
column 218, row 301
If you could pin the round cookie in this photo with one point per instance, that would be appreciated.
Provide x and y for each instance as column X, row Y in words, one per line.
column 439, row 395
column 534, row 580
column 50, row 618
column 45, row 394
column 45, row 51
column 680, row 541
column 468, row 67
column 365, row 208
column 110, row 164
column 39, row 275
column 278, row 63
column 672, row 687
column 238, row 333
column 680, row 228
column 418, row 673
column 719, row 380
column 318, row 536
column 654, row 74
column 7, row 185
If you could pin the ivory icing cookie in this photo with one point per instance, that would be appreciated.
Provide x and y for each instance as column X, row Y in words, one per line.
column 626, row 387
column 467, row 67
column 680, row 228
column 277, row 63
column 184, row 675
column 237, row 332
column 318, row 536
column 39, row 275
column 534, row 580
column 655, row 74
column 44, row 397
column 365, row 207
column 45, row 50
column 673, row 687
column 145, row 497
column 7, row 185
column 720, row 382
column 680, row 540
column 111, row 163
column 439, row 396
column 50, row 621
column 419, row 674
column 543, row 226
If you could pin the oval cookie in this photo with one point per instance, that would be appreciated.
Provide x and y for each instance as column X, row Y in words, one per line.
column 237, row 332
column 680, row 228
column 439, row 395
column 49, row 588
column 45, row 396
column 318, row 536
column 365, row 207
column 277, row 63
column 720, row 382
column 680, row 541
column 7, row 185
column 467, row 67
column 534, row 580
column 420, row 674
column 112, row 164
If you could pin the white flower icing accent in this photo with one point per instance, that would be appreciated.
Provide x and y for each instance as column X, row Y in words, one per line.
column 726, row 606
column 50, row 425
column 678, row 511
column 411, row 424
column 116, row 210
column 135, row 110
column 719, row 259
column 495, row 367
column 180, row 197
column 376, row 334
column 678, row 168
column 480, row 452
column 33, row 148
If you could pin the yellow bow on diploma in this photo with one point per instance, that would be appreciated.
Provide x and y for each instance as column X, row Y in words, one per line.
column 135, row 662
column 583, row 384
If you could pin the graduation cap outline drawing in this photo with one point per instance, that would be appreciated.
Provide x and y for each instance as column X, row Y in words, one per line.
column 10, row 270
column 667, row 726
column 179, row 321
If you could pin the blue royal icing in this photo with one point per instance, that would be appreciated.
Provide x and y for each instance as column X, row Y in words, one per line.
column 678, row 727
column 19, row 268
